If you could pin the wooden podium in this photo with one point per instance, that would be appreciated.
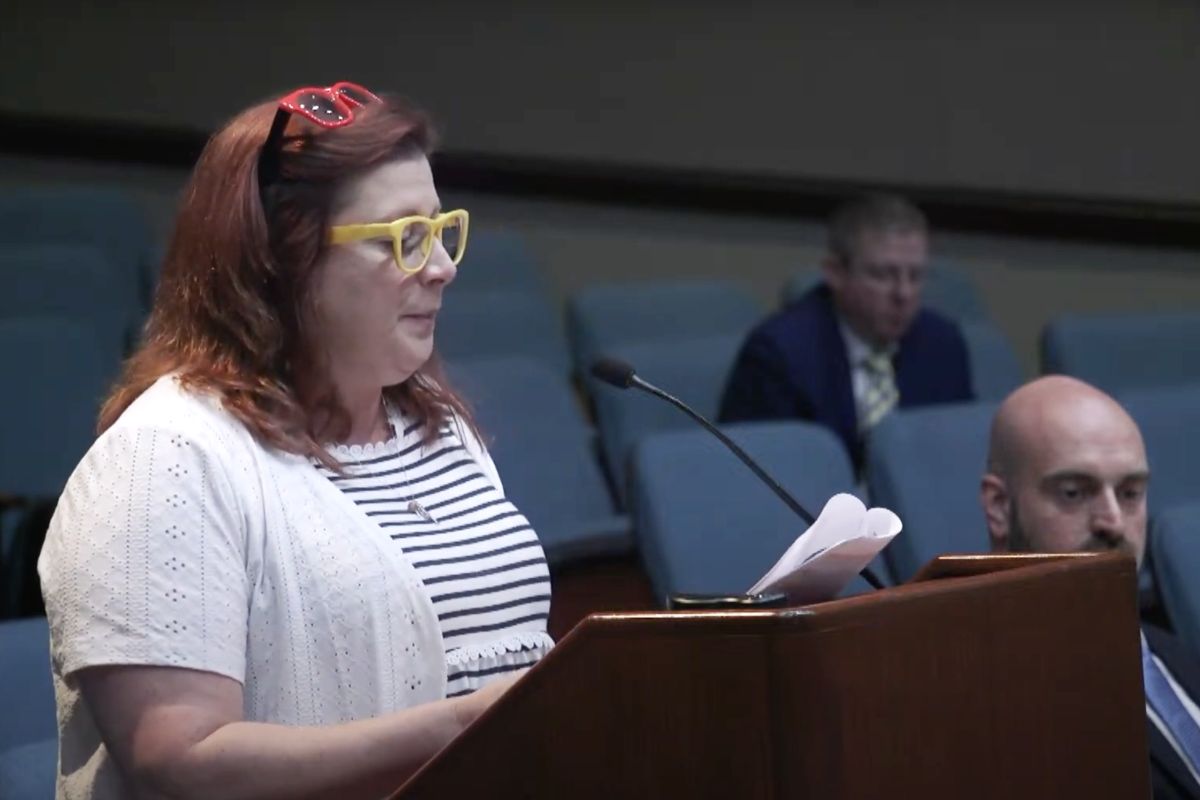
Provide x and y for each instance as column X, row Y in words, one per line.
column 986, row 677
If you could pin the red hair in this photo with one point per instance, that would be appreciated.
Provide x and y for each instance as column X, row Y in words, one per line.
column 234, row 302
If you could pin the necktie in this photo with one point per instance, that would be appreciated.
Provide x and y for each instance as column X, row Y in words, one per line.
column 881, row 395
column 1170, row 709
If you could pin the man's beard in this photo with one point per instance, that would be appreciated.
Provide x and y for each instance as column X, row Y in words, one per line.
column 1019, row 541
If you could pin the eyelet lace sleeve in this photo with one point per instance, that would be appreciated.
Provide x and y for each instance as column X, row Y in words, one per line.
column 144, row 561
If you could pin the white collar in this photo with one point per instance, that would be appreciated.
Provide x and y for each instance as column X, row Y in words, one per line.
column 857, row 349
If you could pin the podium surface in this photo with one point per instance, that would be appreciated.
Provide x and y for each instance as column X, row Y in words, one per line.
column 986, row 677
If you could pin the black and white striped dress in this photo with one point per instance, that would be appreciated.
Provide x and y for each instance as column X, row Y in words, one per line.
column 478, row 556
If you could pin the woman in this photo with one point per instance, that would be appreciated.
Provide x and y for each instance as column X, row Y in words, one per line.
column 287, row 562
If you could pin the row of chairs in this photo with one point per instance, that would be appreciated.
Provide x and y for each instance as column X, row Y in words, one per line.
column 547, row 452
column 704, row 524
column 609, row 317
column 658, row 327
column 94, row 277
column 924, row 463
column 1113, row 351
column 87, row 252
column 681, row 334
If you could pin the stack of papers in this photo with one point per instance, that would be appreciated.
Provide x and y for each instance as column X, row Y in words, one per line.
column 827, row 556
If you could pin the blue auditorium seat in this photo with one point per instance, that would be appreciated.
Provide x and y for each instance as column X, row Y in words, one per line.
column 28, row 722
column 1169, row 417
column 103, row 216
column 27, row 771
column 48, row 424
column 694, row 370
column 1174, row 547
column 473, row 325
column 926, row 464
column 57, row 377
column 706, row 524
column 499, row 260
column 26, row 685
column 1118, row 352
column 608, row 317
column 73, row 281
column 995, row 371
column 546, row 455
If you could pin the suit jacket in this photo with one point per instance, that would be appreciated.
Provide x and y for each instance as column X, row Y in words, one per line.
column 794, row 366
column 1169, row 776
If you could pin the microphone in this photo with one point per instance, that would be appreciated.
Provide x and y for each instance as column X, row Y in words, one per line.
column 623, row 376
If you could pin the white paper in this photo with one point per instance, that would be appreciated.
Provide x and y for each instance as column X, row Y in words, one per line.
column 824, row 559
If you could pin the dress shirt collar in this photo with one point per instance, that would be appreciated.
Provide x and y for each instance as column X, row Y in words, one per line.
column 857, row 348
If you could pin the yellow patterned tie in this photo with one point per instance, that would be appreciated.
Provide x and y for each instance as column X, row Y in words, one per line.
column 882, row 395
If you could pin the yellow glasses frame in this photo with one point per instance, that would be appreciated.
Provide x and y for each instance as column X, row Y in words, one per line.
column 345, row 234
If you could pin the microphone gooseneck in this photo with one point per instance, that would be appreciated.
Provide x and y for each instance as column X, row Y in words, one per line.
column 622, row 375
column 613, row 372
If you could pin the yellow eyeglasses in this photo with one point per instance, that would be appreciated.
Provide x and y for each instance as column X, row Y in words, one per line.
column 412, row 237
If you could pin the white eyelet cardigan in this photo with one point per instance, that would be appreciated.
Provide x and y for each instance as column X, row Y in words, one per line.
column 182, row 541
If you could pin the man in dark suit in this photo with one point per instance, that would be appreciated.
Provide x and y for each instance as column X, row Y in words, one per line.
column 852, row 349
column 1067, row 472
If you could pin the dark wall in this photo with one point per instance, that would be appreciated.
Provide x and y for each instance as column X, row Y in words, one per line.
column 1088, row 99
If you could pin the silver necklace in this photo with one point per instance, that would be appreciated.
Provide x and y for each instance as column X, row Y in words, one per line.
column 414, row 505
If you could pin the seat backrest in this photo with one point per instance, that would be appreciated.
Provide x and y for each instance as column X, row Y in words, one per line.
column 103, row 216
column 609, row 317
column 26, row 686
column 498, row 260
column 947, row 290
column 1169, row 418
column 473, row 325
column 694, row 370
column 953, row 293
column 49, row 424
column 926, row 464
column 28, row 772
column 1118, row 352
column 545, row 454
column 1175, row 553
column 76, row 281
column 995, row 371
column 706, row 524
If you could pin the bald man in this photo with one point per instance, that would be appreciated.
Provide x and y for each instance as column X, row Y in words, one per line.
column 1067, row 472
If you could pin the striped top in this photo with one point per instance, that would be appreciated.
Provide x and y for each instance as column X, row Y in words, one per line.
column 477, row 555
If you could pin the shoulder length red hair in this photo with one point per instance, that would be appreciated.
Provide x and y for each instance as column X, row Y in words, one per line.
column 233, row 313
